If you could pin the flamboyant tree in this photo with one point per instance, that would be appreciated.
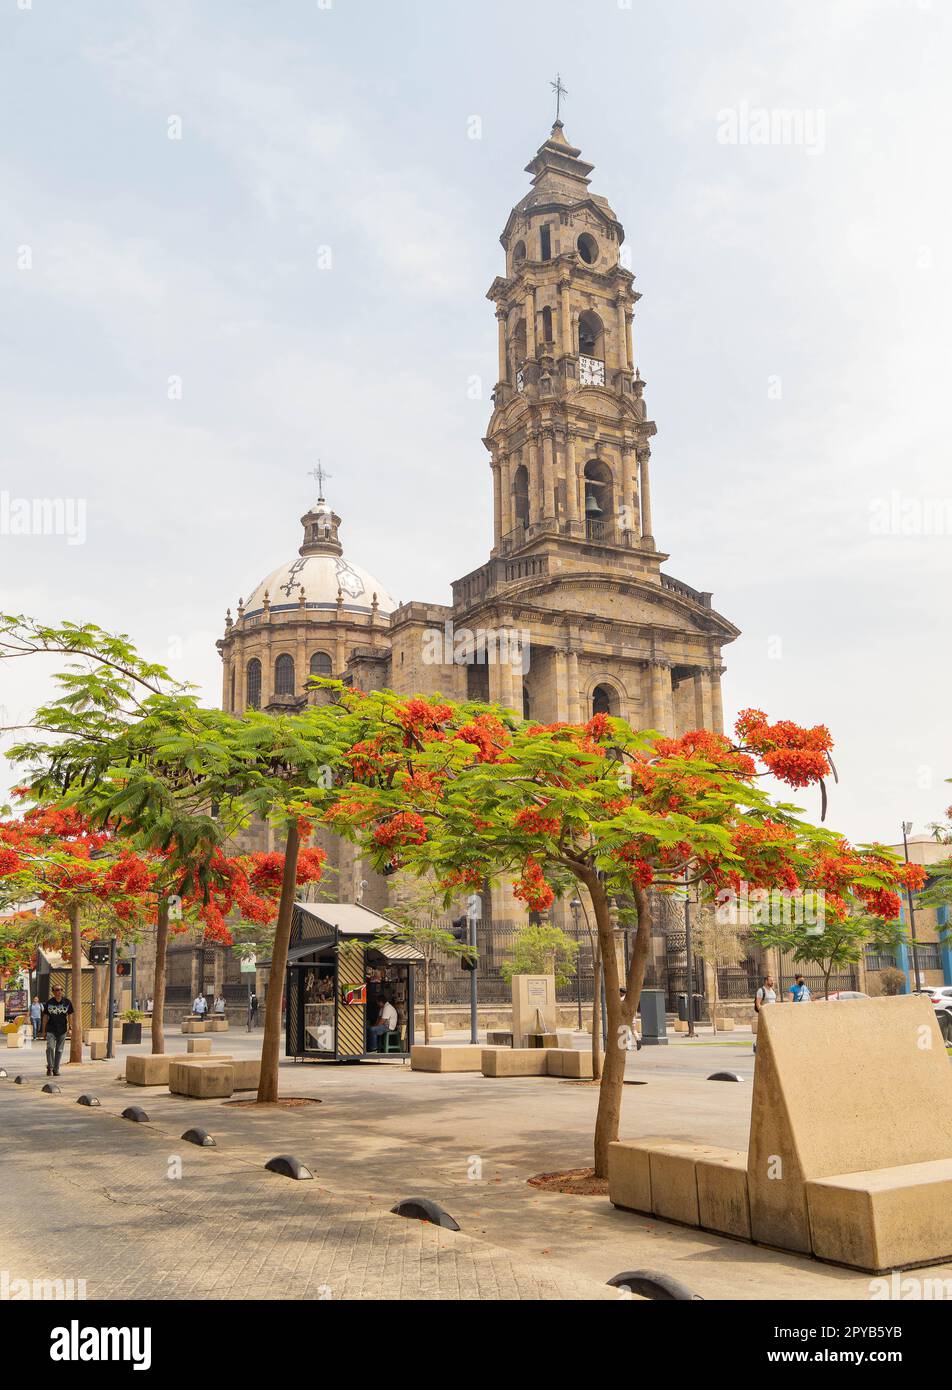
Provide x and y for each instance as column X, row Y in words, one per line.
column 469, row 793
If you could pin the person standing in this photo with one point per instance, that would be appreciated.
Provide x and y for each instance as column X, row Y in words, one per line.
column 200, row 1006
column 57, row 1027
column 799, row 991
column 252, row 1012
column 766, row 994
column 218, row 1006
column 36, row 1016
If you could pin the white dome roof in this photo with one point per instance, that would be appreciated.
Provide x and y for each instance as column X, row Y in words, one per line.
column 320, row 576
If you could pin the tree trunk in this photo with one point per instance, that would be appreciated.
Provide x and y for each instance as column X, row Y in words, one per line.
column 271, row 1044
column 826, row 981
column 620, row 1014
column 426, row 1001
column 76, row 985
column 158, row 988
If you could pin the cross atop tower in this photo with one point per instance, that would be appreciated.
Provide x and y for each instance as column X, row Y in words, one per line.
column 560, row 92
column 320, row 473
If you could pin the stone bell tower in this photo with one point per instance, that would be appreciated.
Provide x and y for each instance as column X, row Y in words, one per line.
column 574, row 566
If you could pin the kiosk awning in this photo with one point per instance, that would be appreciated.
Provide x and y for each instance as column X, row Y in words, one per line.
column 398, row 950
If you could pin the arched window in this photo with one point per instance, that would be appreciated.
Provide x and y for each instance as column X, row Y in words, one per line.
column 253, row 684
column 547, row 324
column 526, row 701
column 321, row 664
column 520, row 495
column 603, row 700
column 587, row 248
column 284, row 675
column 518, row 255
column 591, row 335
column 599, row 500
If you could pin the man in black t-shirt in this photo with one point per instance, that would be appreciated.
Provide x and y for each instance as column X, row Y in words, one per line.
column 57, row 1027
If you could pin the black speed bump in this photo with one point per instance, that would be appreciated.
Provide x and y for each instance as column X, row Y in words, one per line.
column 136, row 1114
column 424, row 1209
column 52, row 1090
column 200, row 1137
column 289, row 1167
column 87, row 1100
column 651, row 1283
column 3, row 1071
column 19, row 1081
column 725, row 1076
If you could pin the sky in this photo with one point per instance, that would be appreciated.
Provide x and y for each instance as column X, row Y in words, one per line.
column 238, row 238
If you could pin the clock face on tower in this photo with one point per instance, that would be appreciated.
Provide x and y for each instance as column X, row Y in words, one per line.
column 591, row 372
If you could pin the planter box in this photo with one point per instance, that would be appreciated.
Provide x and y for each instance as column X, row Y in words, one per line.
column 132, row 1032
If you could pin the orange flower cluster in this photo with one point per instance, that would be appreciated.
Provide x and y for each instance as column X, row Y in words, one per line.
column 534, row 821
column 488, row 734
column 405, row 828
column 532, row 889
column 794, row 755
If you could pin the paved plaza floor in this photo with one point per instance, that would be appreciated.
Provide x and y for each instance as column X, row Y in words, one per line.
column 226, row 1228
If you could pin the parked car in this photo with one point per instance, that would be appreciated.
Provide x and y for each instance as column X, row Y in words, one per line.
column 844, row 994
column 940, row 996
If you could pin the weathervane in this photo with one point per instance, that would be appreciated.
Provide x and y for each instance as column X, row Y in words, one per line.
column 560, row 92
column 320, row 473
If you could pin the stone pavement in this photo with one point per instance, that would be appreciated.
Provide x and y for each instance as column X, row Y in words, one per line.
column 471, row 1143
column 89, row 1197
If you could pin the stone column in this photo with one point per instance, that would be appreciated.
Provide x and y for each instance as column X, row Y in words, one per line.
column 622, row 334
column 535, row 482
column 548, row 475
column 702, row 698
column 505, row 496
column 530, row 323
column 646, row 531
column 566, row 341
column 717, row 707
column 561, row 685
column 575, row 695
column 571, row 483
column 662, row 697
column 503, row 364
column 497, row 503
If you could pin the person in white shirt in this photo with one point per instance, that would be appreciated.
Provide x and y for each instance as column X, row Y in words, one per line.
column 387, row 1021
column 200, row 1006
column 219, row 1005
column 767, row 994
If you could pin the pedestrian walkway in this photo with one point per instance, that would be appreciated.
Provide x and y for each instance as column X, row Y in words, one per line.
column 137, row 1216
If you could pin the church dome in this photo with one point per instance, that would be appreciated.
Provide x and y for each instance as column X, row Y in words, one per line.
column 323, row 572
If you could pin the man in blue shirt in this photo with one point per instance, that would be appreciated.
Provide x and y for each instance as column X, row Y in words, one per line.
column 799, row 991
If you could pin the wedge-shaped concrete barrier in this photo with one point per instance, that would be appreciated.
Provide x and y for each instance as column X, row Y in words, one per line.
column 430, row 1058
column 839, row 1089
column 569, row 1061
column 515, row 1061
column 885, row 1218
column 722, row 1200
column 198, row 1046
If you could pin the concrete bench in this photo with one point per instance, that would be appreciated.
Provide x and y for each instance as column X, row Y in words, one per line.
column 660, row 1177
column 216, row 1024
column 198, row 1046
column 515, row 1061
column 883, row 1218
column 569, row 1061
column 425, row 1057
column 152, row 1069
column 206, row 1077
column 194, row 1025
column 247, row 1074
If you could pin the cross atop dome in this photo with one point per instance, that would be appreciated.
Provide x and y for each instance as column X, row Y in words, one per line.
column 320, row 473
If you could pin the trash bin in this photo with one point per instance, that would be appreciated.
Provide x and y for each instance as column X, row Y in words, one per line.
column 654, row 1032
column 683, row 1007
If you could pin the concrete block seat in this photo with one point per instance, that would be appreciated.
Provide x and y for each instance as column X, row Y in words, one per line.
column 152, row 1069
column 425, row 1057
column 571, row 1062
column 207, row 1077
column 883, row 1218
column 850, row 1155
column 667, row 1177
column 515, row 1061
column 194, row 1025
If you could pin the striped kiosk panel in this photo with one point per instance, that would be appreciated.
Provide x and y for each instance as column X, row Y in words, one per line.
column 351, row 1017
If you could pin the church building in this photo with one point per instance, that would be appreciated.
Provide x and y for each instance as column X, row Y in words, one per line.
column 572, row 613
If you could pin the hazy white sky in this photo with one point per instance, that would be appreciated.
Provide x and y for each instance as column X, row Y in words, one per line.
column 794, row 330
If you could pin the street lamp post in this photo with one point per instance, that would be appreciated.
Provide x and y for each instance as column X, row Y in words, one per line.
column 688, row 954
column 576, row 905
column 906, row 827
